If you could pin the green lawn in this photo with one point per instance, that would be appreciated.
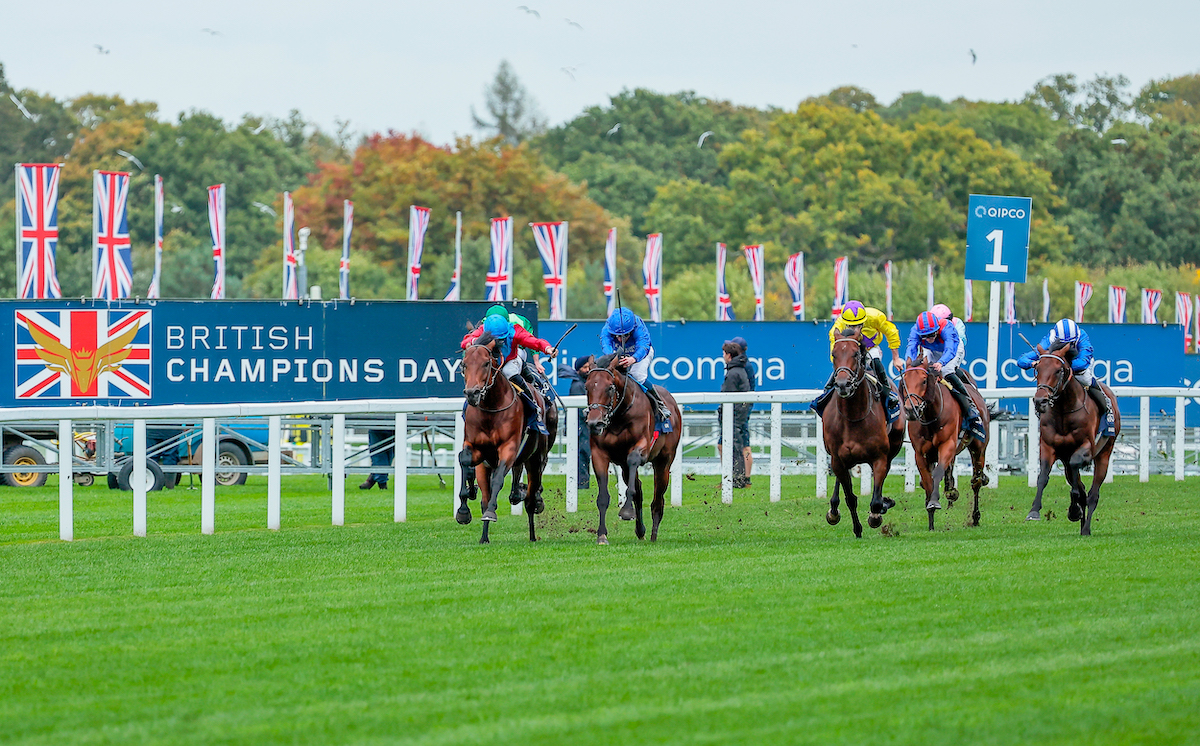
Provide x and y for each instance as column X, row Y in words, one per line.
column 754, row 623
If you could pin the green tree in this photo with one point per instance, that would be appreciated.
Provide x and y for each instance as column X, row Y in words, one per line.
column 1171, row 99
column 513, row 112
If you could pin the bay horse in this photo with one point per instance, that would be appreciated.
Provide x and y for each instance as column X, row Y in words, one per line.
column 1068, row 422
column 620, row 418
column 935, row 430
column 496, row 441
column 856, row 431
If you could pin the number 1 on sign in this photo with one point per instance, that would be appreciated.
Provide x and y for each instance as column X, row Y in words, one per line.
column 997, row 239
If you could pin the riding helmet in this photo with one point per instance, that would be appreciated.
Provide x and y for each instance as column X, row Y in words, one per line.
column 622, row 321
column 854, row 313
column 498, row 327
column 927, row 324
column 517, row 319
column 1067, row 331
column 497, row 310
column 942, row 311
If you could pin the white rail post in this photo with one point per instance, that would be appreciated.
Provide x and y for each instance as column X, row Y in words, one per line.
column 274, row 470
column 339, row 469
column 1033, row 459
column 208, row 475
column 821, row 469
column 460, row 435
column 1144, row 441
column 866, row 479
column 66, row 481
column 992, row 455
column 910, row 468
column 572, row 460
column 776, row 451
column 1179, row 404
column 727, row 453
column 400, row 481
column 137, row 478
column 677, row 474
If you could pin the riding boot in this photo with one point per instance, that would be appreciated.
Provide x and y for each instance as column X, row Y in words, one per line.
column 662, row 414
column 818, row 404
column 535, row 418
column 890, row 399
column 1108, row 423
column 531, row 373
column 974, row 423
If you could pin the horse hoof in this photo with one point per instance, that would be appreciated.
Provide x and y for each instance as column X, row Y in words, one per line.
column 874, row 520
column 1033, row 516
column 833, row 518
column 933, row 505
column 485, row 540
column 888, row 504
column 488, row 515
column 602, row 540
column 539, row 505
column 1074, row 513
column 463, row 517
column 952, row 497
column 627, row 515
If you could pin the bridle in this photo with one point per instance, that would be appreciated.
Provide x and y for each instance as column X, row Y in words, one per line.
column 493, row 371
column 914, row 405
column 609, row 409
column 857, row 373
column 1063, row 379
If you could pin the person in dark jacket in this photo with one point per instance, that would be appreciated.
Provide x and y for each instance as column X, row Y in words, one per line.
column 576, row 374
column 736, row 379
column 752, row 374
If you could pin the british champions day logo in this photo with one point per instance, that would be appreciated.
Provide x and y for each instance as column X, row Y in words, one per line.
column 73, row 354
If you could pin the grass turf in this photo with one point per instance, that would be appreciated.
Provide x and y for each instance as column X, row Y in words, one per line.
column 752, row 623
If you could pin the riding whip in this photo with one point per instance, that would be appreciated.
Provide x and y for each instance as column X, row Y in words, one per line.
column 1026, row 341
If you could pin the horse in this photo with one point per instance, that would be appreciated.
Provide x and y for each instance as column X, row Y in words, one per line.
column 1068, row 421
column 935, row 431
column 496, row 440
column 620, row 418
column 856, row 431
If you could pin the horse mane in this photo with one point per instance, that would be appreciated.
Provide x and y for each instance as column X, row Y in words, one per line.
column 605, row 361
column 1070, row 353
column 848, row 333
column 483, row 340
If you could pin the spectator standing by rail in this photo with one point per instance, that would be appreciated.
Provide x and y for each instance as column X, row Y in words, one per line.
column 736, row 379
column 577, row 374
column 752, row 375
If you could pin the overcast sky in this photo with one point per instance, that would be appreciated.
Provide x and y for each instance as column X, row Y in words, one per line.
column 421, row 65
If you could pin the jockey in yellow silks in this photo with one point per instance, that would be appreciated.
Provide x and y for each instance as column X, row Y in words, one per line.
column 875, row 329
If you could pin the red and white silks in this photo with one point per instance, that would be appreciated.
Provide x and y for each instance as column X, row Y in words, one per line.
column 793, row 273
column 968, row 301
column 1116, row 304
column 1151, row 300
column 291, row 274
column 454, row 293
column 112, row 250
column 551, row 240
column 500, row 274
column 1010, row 302
column 418, row 223
column 841, row 285
column 1083, row 293
column 216, row 226
column 155, row 290
column 652, row 275
column 887, row 286
column 37, row 230
column 754, row 260
column 610, row 270
column 1184, row 309
column 344, row 262
column 724, row 304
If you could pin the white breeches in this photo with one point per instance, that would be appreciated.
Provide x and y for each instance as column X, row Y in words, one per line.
column 951, row 366
column 513, row 367
column 1086, row 377
column 639, row 370
column 875, row 353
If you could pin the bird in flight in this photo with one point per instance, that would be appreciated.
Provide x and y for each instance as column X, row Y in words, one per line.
column 211, row 32
column 264, row 208
column 570, row 71
column 572, row 23
column 529, row 10
column 100, row 49
column 972, row 51
column 21, row 106
column 701, row 142
column 614, row 129
column 176, row 207
column 259, row 128
column 132, row 159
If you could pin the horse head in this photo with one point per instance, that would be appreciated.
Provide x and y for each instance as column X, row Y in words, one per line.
column 849, row 365
column 916, row 383
column 480, row 365
column 1053, row 374
column 605, row 390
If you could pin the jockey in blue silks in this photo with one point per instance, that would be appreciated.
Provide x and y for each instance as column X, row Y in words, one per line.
column 937, row 340
column 626, row 335
column 1067, row 333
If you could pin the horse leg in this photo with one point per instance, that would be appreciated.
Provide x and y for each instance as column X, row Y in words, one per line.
column 1046, row 461
column 950, row 489
column 466, row 462
column 978, row 478
column 662, row 476
column 851, row 501
column 879, row 503
column 1093, row 498
column 517, row 494
column 636, row 459
column 600, row 466
column 945, row 457
column 492, row 483
column 533, row 497
column 833, row 517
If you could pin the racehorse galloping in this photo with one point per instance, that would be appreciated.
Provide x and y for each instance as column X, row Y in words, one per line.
column 621, row 419
column 1069, row 419
column 496, row 440
column 856, row 431
column 935, row 428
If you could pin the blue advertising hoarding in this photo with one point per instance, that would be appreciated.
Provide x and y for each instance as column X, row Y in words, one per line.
column 998, row 238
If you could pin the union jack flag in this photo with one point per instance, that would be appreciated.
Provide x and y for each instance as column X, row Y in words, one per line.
column 610, row 270
column 887, row 286
column 37, row 229
column 1151, row 300
column 216, row 224
column 112, row 251
column 155, row 290
column 1010, row 302
column 1183, row 316
column 291, row 275
column 652, row 275
column 454, row 292
column 1083, row 293
column 724, row 302
column 793, row 273
column 551, row 240
column 499, row 275
column 344, row 264
column 1116, row 304
column 968, row 301
column 418, row 223
column 754, row 260
column 83, row 354
column 841, row 284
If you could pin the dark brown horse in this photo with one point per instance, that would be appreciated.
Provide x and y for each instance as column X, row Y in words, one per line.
column 1068, row 424
column 621, row 420
column 496, row 440
column 856, row 431
column 935, row 430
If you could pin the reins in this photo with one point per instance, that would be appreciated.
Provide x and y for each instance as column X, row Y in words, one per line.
column 857, row 375
column 1064, row 377
column 921, row 402
column 494, row 371
column 610, row 408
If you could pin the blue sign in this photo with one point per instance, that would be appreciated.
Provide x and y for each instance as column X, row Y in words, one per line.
column 998, row 238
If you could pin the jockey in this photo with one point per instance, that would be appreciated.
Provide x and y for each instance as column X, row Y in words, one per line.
column 1067, row 333
column 511, row 339
column 531, row 371
column 875, row 328
column 626, row 335
column 943, row 312
column 939, row 342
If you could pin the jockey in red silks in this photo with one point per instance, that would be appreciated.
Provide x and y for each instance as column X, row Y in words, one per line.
column 511, row 339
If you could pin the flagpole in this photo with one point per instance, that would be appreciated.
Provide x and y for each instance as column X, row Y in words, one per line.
column 717, row 284
column 95, row 233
